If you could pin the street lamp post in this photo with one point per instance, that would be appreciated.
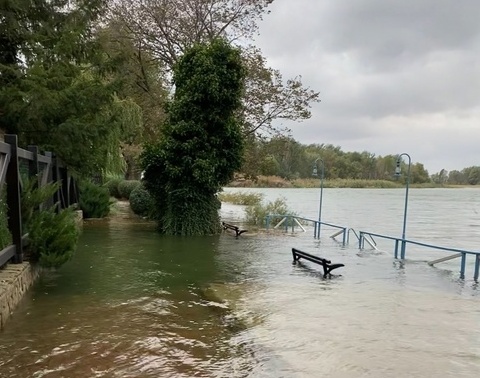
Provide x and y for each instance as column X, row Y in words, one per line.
column 315, row 173
column 398, row 171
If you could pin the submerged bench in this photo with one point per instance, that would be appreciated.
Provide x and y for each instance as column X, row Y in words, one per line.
column 326, row 264
column 237, row 230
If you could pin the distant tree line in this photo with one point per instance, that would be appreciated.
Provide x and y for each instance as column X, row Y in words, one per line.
column 285, row 157
column 467, row 176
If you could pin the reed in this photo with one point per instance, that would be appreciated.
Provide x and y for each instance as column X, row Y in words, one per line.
column 238, row 198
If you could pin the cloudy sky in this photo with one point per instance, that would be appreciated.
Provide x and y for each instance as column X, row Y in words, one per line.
column 393, row 75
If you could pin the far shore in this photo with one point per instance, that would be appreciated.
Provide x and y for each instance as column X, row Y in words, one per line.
column 278, row 182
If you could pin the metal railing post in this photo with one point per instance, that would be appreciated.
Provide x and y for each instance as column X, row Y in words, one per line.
column 477, row 267
column 462, row 265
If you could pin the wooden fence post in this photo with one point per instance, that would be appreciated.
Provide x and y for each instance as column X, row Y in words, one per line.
column 72, row 190
column 33, row 164
column 55, row 178
column 13, row 198
column 33, row 167
column 47, row 176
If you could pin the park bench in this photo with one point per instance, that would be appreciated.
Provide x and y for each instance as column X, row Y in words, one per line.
column 237, row 230
column 326, row 264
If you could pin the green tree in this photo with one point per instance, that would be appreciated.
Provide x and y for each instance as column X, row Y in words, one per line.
column 440, row 178
column 456, row 178
column 419, row 175
column 54, row 92
column 141, row 86
column 202, row 145
column 473, row 175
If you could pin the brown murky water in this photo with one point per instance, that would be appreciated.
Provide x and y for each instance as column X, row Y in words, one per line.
column 135, row 304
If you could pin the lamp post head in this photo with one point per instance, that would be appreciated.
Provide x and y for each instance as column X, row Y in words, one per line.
column 398, row 169
column 315, row 171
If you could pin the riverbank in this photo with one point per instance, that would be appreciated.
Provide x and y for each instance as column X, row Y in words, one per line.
column 278, row 182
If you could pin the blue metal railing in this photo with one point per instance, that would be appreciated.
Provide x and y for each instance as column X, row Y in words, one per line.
column 462, row 252
column 290, row 220
column 369, row 238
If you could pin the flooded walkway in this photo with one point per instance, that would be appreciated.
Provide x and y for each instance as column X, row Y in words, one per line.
column 133, row 303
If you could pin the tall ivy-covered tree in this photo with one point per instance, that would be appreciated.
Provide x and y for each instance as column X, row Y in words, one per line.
column 202, row 144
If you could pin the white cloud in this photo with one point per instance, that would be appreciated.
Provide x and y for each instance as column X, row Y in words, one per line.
column 393, row 76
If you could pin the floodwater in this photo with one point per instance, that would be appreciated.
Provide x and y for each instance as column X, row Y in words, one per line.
column 133, row 303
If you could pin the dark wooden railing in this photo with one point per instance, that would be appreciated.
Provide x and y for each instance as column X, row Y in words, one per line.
column 47, row 168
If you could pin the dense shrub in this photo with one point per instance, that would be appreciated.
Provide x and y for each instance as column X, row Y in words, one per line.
column 141, row 202
column 112, row 186
column 256, row 215
column 94, row 200
column 126, row 187
column 52, row 237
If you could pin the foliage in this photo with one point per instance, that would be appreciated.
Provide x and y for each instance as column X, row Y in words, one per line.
column 141, row 202
column 266, row 98
column 239, row 198
column 112, row 186
column 257, row 214
column 5, row 236
column 94, row 200
column 202, row 144
column 189, row 22
column 55, row 91
column 141, row 81
column 52, row 237
column 126, row 187
column 34, row 198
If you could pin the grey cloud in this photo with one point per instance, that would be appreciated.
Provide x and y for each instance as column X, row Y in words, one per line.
column 404, row 71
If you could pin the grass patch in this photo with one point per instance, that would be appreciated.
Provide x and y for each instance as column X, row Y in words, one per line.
column 238, row 198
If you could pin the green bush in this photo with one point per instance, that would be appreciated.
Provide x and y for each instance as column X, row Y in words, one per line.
column 52, row 237
column 112, row 186
column 141, row 202
column 126, row 187
column 94, row 200
column 257, row 214
column 5, row 237
column 33, row 197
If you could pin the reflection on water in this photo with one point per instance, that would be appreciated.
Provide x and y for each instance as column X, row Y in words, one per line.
column 135, row 304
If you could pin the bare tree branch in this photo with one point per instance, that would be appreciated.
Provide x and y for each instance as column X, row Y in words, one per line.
column 165, row 28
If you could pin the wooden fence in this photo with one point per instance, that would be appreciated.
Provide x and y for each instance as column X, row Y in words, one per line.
column 47, row 168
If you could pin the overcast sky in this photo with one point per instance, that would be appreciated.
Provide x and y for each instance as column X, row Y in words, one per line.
column 393, row 75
